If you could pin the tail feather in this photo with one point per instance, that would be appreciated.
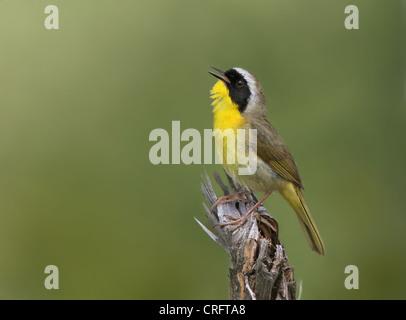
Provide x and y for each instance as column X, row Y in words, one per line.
column 294, row 196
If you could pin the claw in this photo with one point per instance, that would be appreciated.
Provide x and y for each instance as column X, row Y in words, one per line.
column 240, row 221
column 232, row 197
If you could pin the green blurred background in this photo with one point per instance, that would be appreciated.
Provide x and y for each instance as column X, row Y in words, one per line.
column 77, row 105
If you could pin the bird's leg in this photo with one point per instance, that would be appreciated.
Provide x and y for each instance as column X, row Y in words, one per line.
column 231, row 197
column 240, row 221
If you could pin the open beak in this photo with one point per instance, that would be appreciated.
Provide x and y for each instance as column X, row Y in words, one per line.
column 220, row 75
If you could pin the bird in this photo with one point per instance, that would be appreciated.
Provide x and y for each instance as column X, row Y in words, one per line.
column 239, row 103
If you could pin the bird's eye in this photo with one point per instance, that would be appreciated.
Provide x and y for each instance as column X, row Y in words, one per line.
column 240, row 84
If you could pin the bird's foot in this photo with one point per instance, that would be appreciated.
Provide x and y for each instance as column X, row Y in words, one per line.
column 236, row 221
column 232, row 197
column 240, row 221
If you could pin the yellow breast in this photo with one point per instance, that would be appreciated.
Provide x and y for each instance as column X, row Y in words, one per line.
column 226, row 116
column 226, row 113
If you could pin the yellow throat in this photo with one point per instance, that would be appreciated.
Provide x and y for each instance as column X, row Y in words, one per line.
column 226, row 117
column 226, row 113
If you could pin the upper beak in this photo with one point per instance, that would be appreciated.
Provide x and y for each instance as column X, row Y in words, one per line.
column 220, row 76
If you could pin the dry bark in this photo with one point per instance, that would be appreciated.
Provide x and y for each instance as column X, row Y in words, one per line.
column 259, row 267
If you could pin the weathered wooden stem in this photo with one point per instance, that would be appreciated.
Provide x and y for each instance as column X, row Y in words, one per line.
column 259, row 267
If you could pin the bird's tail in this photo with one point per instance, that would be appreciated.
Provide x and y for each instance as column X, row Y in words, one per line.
column 294, row 196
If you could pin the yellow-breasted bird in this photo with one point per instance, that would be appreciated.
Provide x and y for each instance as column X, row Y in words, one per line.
column 239, row 103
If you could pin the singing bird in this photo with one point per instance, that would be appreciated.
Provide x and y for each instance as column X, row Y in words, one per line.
column 239, row 103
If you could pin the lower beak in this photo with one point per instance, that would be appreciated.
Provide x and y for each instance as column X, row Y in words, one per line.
column 220, row 75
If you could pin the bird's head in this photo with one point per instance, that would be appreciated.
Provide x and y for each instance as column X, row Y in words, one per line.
column 241, row 89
